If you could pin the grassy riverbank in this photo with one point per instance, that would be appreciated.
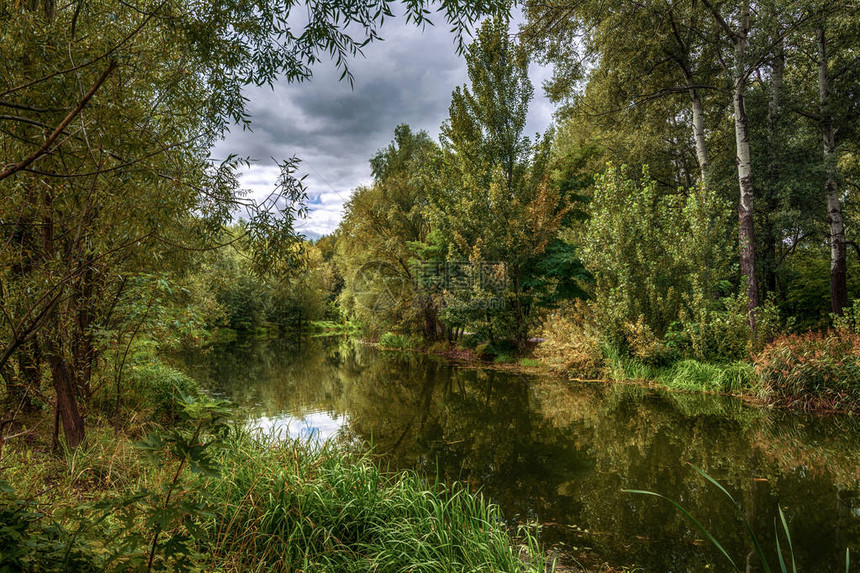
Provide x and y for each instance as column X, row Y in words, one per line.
column 816, row 371
column 199, row 492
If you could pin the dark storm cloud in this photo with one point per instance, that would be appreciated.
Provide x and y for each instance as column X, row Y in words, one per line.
column 335, row 129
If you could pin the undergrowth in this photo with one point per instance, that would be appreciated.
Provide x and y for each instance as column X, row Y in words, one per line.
column 203, row 494
column 396, row 341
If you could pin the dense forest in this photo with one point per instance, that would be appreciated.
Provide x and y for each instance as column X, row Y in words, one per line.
column 691, row 219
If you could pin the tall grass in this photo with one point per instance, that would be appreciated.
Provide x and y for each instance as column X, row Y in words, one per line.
column 621, row 366
column 700, row 376
column 396, row 341
column 685, row 374
column 290, row 506
column 274, row 506
column 815, row 370
column 784, row 558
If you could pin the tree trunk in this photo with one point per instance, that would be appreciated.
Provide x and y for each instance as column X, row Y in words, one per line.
column 838, row 267
column 64, row 380
column 746, row 236
column 771, row 235
column 67, row 406
column 699, row 135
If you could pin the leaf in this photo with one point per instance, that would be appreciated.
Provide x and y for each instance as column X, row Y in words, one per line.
column 691, row 518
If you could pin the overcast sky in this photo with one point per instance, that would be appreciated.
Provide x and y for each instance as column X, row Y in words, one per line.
column 335, row 129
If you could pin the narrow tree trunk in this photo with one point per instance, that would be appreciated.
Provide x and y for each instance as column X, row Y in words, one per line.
column 62, row 374
column 699, row 135
column 838, row 267
column 746, row 236
column 67, row 407
column 771, row 235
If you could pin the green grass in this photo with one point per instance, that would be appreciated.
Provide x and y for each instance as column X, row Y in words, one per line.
column 396, row 341
column 292, row 507
column 624, row 367
column 274, row 506
column 688, row 374
column 530, row 362
column 704, row 377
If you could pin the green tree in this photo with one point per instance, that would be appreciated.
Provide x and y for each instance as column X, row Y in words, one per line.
column 110, row 110
column 658, row 259
column 495, row 206
column 380, row 238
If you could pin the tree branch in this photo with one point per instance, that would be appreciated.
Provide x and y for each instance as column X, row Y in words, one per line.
column 15, row 167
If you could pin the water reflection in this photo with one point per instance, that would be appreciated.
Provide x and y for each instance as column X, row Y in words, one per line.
column 562, row 453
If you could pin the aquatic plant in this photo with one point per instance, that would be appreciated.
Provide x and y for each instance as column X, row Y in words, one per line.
column 782, row 559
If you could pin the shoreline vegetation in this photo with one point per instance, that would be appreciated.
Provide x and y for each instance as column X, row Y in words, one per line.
column 182, row 486
column 815, row 372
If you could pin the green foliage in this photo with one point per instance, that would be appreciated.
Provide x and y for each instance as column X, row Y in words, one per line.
column 816, row 370
column 194, row 444
column 161, row 388
column 530, row 362
column 496, row 206
column 849, row 322
column 28, row 544
column 657, row 259
column 503, row 358
column 699, row 376
column 396, row 341
column 385, row 238
column 781, row 529
column 290, row 506
column 621, row 366
column 217, row 496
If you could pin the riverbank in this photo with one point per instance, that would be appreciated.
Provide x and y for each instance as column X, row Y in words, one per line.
column 815, row 372
column 202, row 492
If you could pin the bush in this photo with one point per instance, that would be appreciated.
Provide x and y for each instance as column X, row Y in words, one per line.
column 396, row 341
column 849, row 322
column 572, row 342
column 816, row 370
column 159, row 387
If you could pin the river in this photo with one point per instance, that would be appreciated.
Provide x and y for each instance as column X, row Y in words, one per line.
column 561, row 453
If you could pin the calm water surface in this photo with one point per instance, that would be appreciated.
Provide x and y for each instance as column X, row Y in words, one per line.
column 562, row 452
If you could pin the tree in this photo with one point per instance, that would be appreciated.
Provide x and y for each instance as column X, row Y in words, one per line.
column 378, row 240
column 824, row 51
column 660, row 60
column 496, row 206
column 111, row 110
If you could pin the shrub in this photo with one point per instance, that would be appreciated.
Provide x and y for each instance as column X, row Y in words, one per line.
column 396, row 341
column 812, row 370
column 572, row 342
column 503, row 358
column 644, row 345
column 849, row 322
column 157, row 386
